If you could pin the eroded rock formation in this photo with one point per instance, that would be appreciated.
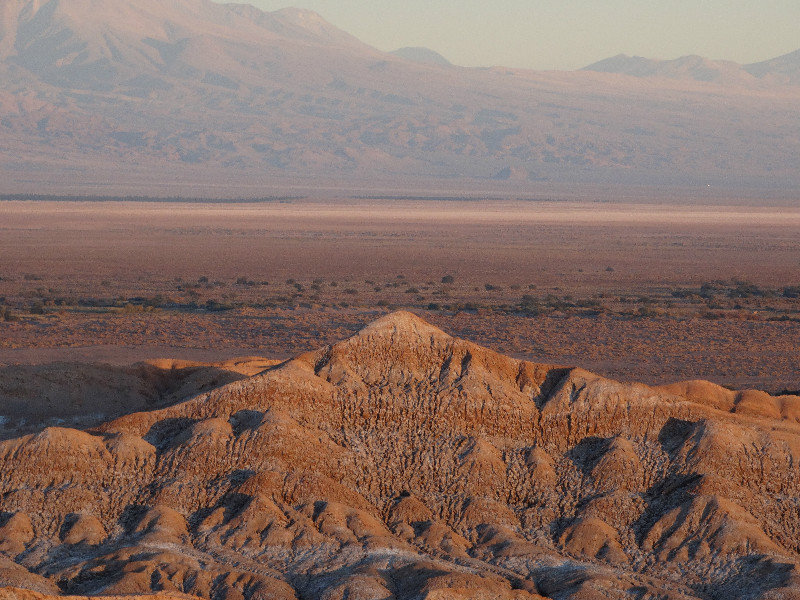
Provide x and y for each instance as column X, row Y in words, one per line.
column 404, row 463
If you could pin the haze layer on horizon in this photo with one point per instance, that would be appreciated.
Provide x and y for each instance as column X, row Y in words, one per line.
column 553, row 34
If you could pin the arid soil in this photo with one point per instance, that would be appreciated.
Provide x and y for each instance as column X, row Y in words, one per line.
column 654, row 291
column 405, row 463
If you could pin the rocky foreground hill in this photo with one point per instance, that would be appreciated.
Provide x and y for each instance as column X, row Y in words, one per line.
column 405, row 463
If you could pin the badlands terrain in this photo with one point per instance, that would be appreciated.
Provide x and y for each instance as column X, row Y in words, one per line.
column 402, row 462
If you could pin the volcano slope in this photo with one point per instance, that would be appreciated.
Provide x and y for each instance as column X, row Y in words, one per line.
column 405, row 463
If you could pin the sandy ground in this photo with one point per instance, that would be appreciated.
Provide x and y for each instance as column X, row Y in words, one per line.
column 124, row 249
column 523, row 242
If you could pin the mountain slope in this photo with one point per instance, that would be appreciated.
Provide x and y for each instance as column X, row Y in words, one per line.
column 694, row 68
column 103, row 44
column 425, row 56
column 784, row 68
column 781, row 70
column 404, row 463
column 188, row 94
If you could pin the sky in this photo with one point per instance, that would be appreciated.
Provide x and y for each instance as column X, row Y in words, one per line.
column 567, row 34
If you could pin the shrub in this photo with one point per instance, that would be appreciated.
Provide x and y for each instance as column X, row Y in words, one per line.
column 448, row 279
column 216, row 306
column 530, row 305
column 791, row 291
column 745, row 289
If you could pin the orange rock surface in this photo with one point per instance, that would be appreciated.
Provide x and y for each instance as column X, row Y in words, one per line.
column 405, row 463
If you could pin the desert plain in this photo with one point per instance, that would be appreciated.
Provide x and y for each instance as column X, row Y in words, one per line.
column 651, row 291
column 400, row 398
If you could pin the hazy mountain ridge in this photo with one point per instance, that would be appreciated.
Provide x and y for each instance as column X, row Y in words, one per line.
column 422, row 55
column 781, row 70
column 181, row 90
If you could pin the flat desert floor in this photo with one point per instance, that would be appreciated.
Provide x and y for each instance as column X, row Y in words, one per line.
column 653, row 292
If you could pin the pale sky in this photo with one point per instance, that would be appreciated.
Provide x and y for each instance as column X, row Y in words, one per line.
column 567, row 34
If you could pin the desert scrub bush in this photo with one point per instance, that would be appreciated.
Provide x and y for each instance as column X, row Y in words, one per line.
column 448, row 279
column 711, row 288
column 37, row 308
column 647, row 311
column 6, row 314
column 530, row 305
column 746, row 289
column 589, row 303
column 217, row 306
column 682, row 293
column 792, row 291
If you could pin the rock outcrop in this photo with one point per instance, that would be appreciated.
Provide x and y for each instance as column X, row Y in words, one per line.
column 404, row 463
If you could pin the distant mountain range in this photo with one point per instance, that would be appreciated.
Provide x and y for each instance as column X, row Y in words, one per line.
column 422, row 55
column 107, row 95
column 782, row 70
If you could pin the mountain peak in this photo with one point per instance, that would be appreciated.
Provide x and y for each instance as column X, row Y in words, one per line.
column 784, row 69
column 301, row 14
column 421, row 55
column 401, row 323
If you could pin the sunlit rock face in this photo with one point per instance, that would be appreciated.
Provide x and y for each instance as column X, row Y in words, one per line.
column 405, row 463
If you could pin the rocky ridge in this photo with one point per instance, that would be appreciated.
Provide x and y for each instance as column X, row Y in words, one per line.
column 405, row 463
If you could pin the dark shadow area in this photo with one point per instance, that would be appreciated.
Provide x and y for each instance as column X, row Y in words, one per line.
column 81, row 395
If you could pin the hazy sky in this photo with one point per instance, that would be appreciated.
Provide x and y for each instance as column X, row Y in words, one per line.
column 567, row 34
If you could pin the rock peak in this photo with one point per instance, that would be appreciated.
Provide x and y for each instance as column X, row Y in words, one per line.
column 401, row 322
